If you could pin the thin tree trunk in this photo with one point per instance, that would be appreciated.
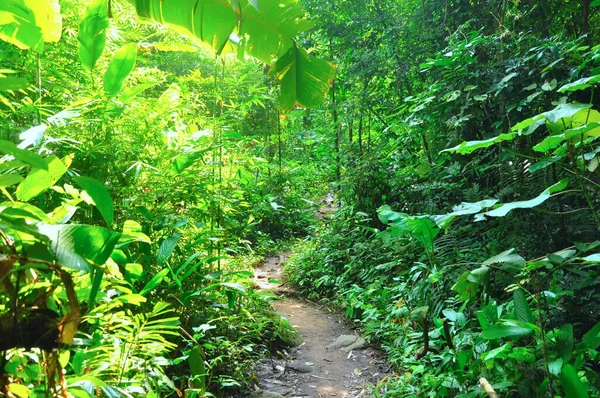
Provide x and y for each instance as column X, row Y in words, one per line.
column 350, row 132
column 586, row 20
column 360, row 127
column 279, row 139
column 336, row 126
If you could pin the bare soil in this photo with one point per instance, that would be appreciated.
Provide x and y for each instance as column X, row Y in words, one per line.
column 329, row 373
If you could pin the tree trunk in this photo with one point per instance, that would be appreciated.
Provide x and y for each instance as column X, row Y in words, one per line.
column 585, row 25
column 360, row 127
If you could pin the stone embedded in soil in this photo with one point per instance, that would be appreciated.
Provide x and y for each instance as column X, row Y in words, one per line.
column 265, row 394
column 347, row 342
column 299, row 367
column 359, row 344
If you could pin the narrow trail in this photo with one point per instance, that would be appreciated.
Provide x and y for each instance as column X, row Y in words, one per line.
column 314, row 370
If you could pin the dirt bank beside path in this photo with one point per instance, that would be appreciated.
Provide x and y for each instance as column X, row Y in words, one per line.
column 311, row 370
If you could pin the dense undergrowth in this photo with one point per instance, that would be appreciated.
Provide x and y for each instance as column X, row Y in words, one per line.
column 142, row 179
column 466, row 243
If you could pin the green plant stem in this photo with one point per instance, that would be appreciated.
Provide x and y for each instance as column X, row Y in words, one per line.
column 543, row 333
column 559, row 213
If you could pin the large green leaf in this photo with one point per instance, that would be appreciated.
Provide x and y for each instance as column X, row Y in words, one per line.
column 197, row 368
column 571, row 383
column 564, row 342
column 510, row 328
column 98, row 192
column 467, row 147
column 78, row 246
column 305, row 79
column 166, row 248
column 522, row 311
column 92, row 33
column 572, row 116
column 591, row 129
column 463, row 209
column 48, row 18
column 213, row 21
column 39, row 180
column 581, row 84
column 564, row 116
column 269, row 25
column 422, row 228
column 132, row 92
column 504, row 209
column 23, row 155
column 155, row 281
column 591, row 339
column 119, row 68
column 464, row 288
column 18, row 26
column 13, row 83
column 264, row 29
column 133, row 232
column 185, row 160
column 6, row 180
column 509, row 258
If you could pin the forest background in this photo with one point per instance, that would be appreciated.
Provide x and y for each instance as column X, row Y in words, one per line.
column 144, row 176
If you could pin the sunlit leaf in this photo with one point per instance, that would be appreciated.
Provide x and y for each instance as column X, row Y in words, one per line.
column 18, row 26
column 305, row 79
column 100, row 195
column 23, row 155
column 92, row 33
column 78, row 246
column 6, row 180
column 463, row 209
column 504, row 209
column 13, row 83
column 132, row 92
column 119, row 68
column 581, row 84
column 468, row 147
column 48, row 18
column 154, row 282
column 133, row 232
column 40, row 180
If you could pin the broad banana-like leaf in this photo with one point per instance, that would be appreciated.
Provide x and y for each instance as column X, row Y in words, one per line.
column 48, row 18
column 265, row 29
column 79, row 246
column 18, row 26
column 269, row 26
column 305, row 79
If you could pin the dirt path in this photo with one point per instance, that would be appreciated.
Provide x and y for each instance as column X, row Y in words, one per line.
column 311, row 370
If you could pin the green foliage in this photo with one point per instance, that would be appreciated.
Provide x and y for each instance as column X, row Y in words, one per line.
column 92, row 34
column 501, row 121
column 119, row 68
